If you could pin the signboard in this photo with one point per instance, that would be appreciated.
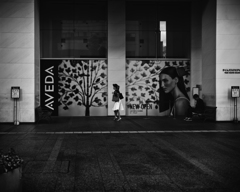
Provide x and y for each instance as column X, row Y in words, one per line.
column 15, row 92
column 49, row 85
column 195, row 90
column 74, row 87
column 235, row 91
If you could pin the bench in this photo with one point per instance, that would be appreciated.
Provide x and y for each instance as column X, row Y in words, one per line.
column 208, row 114
column 43, row 114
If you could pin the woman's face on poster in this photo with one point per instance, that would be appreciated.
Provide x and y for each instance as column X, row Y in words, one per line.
column 168, row 83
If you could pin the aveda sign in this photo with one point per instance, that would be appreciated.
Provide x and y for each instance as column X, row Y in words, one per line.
column 48, row 76
column 49, row 88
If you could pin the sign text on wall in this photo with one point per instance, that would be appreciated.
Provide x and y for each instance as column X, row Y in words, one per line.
column 231, row 71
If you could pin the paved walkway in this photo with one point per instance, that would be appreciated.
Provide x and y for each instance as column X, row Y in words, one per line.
column 84, row 125
column 135, row 154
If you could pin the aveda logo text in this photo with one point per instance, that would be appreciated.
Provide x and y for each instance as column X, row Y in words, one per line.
column 49, row 88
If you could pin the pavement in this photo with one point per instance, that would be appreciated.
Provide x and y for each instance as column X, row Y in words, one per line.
column 135, row 154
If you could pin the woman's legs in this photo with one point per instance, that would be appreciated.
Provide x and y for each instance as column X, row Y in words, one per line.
column 189, row 114
column 118, row 112
column 116, row 115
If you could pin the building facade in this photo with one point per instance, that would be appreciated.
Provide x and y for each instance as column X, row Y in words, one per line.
column 65, row 55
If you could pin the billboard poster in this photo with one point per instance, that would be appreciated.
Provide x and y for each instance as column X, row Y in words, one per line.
column 142, row 85
column 79, row 87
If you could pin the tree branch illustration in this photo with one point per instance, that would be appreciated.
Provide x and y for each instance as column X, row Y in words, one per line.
column 142, row 82
column 81, row 82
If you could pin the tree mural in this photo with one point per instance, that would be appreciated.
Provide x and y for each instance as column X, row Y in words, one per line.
column 83, row 82
column 142, row 80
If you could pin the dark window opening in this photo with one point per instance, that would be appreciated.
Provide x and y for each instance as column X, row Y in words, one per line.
column 158, row 29
column 73, row 29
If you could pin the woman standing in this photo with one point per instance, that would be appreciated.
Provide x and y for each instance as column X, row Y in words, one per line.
column 118, row 103
column 171, row 79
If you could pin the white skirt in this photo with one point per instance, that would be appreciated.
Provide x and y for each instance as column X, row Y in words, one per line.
column 118, row 106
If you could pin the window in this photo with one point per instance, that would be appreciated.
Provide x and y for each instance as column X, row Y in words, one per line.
column 73, row 29
column 157, row 29
column 163, row 39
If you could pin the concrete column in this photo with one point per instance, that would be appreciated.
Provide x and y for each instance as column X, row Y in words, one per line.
column 37, row 52
column 227, row 57
column 17, row 58
column 116, row 49
column 196, row 46
column 209, row 52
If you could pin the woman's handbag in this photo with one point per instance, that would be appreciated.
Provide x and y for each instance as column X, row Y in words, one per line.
column 121, row 96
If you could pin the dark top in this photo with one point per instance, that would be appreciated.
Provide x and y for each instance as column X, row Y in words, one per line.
column 199, row 106
column 116, row 93
column 115, row 96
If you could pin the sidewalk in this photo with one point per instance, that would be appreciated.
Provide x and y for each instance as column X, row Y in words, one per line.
column 126, row 125
column 75, row 154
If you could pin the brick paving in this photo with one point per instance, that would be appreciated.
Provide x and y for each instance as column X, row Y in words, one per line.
column 135, row 154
